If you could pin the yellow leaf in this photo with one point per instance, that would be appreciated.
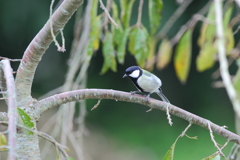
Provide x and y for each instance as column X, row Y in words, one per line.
column 3, row 141
column 164, row 54
column 182, row 58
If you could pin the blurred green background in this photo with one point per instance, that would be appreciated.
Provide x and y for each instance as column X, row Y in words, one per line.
column 131, row 130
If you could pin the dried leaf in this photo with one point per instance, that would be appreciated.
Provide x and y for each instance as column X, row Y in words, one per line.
column 164, row 53
column 155, row 8
column 182, row 58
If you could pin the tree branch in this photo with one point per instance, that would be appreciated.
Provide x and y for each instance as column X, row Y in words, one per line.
column 12, row 108
column 223, row 60
column 39, row 45
column 58, row 99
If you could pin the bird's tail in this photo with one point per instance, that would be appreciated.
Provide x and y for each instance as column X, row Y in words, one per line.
column 163, row 97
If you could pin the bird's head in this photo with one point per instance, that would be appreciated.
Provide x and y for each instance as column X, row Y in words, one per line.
column 133, row 72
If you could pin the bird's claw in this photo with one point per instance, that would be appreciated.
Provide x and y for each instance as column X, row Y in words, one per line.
column 132, row 92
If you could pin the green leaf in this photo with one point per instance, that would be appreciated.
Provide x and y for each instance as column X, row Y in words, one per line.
column 213, row 157
column 155, row 8
column 122, row 44
column 206, row 57
column 236, row 80
column 227, row 16
column 208, row 31
column 27, row 121
column 3, row 141
column 182, row 58
column 108, row 54
column 170, row 153
column 151, row 55
column 95, row 31
column 115, row 16
column 164, row 53
column 94, row 10
column 70, row 158
column 126, row 11
column 229, row 40
column 139, row 45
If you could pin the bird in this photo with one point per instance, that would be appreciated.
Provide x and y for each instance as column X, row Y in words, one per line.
column 145, row 82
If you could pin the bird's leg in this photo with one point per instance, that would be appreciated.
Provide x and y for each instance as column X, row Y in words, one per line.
column 133, row 92
column 147, row 97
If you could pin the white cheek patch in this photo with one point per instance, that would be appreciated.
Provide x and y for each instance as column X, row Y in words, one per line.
column 135, row 74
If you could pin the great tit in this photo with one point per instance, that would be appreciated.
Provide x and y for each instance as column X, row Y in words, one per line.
column 145, row 82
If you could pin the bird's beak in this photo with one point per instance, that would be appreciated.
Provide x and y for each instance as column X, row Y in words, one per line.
column 124, row 76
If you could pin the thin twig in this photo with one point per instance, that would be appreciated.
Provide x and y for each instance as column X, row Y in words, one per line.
column 139, row 19
column 235, row 32
column 60, row 49
column 53, row 141
column 106, row 12
column 214, row 142
column 169, row 116
column 223, row 60
column 185, row 130
column 190, row 24
column 173, row 19
column 45, row 136
column 12, row 60
column 96, row 105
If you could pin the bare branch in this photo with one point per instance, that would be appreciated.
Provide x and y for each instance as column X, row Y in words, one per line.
column 223, row 60
column 12, row 108
column 13, row 60
column 39, row 45
column 214, row 142
column 106, row 12
column 56, row 100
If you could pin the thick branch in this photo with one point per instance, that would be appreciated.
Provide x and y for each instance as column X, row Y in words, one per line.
column 39, row 45
column 12, row 108
column 58, row 99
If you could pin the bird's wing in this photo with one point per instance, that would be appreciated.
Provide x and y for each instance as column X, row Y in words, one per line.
column 146, row 73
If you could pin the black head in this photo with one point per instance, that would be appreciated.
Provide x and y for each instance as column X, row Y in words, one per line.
column 133, row 72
